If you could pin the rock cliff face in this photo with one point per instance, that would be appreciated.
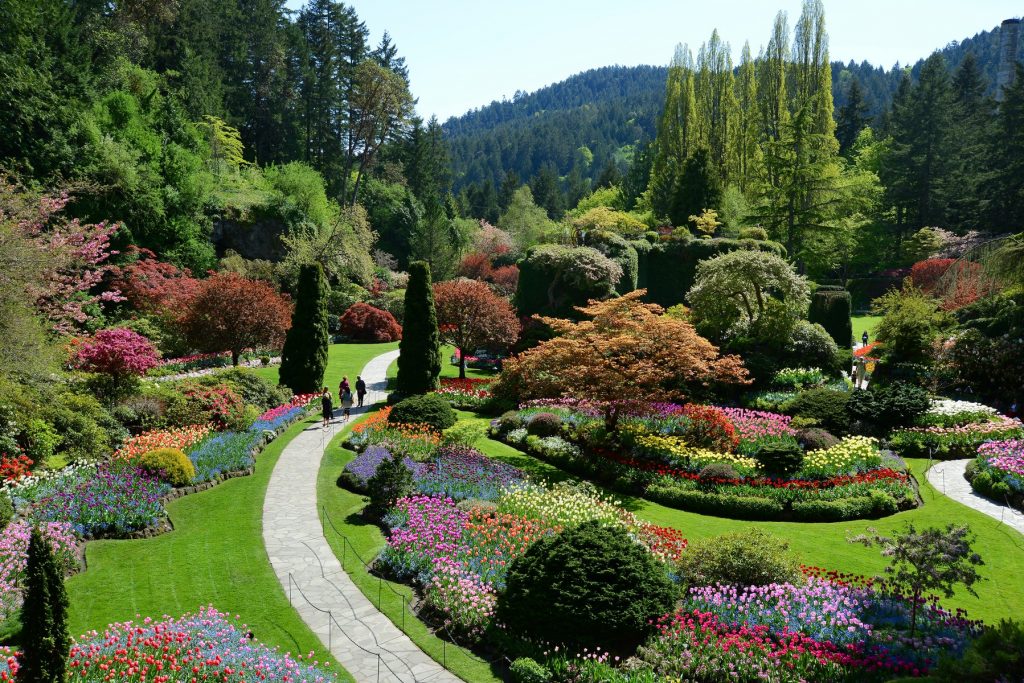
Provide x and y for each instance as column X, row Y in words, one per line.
column 258, row 239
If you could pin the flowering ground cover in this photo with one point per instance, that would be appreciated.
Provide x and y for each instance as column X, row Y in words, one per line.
column 181, row 438
column 956, row 441
column 683, row 457
column 997, row 472
column 468, row 393
column 206, row 645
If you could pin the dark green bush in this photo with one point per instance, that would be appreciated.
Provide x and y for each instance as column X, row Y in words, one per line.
column 827, row 406
column 858, row 507
column 815, row 439
column 544, row 424
column 717, row 470
column 6, row 510
column 831, row 309
column 588, row 586
column 890, row 406
column 508, row 421
column 780, row 459
column 995, row 655
column 429, row 409
column 526, row 670
column 391, row 481
column 746, row 558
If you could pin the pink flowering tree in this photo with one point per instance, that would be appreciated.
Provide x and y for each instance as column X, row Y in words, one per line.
column 119, row 355
column 75, row 256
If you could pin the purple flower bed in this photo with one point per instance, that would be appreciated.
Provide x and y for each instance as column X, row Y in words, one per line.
column 423, row 529
column 364, row 466
column 115, row 498
column 461, row 472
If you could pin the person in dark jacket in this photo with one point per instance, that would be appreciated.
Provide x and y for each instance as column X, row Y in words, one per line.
column 328, row 406
column 360, row 390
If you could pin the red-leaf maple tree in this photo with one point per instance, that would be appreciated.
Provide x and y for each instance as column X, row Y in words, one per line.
column 228, row 312
column 625, row 353
column 471, row 316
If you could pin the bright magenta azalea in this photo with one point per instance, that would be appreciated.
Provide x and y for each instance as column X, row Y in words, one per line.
column 118, row 352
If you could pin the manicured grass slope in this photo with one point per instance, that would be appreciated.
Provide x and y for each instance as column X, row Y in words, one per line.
column 1001, row 595
column 342, row 359
column 342, row 507
column 447, row 369
column 215, row 555
column 865, row 322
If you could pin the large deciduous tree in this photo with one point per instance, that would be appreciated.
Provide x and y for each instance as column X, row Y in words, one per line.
column 304, row 356
column 231, row 313
column 626, row 352
column 419, row 357
column 471, row 316
column 743, row 288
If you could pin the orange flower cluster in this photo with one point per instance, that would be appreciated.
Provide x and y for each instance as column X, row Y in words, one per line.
column 494, row 540
column 378, row 420
column 417, row 431
column 181, row 438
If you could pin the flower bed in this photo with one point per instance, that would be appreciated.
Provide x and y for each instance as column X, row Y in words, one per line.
column 180, row 438
column 956, row 442
column 14, row 558
column 653, row 454
column 465, row 394
column 998, row 472
column 207, row 645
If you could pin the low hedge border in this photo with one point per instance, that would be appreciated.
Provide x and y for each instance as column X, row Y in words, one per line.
column 629, row 481
column 996, row 491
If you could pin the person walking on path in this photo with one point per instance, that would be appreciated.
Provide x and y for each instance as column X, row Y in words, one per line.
column 344, row 386
column 346, row 403
column 360, row 389
column 864, row 338
column 327, row 404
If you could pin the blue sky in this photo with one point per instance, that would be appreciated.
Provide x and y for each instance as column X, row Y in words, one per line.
column 463, row 54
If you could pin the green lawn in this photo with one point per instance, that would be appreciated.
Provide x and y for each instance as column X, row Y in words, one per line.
column 1001, row 594
column 447, row 369
column 215, row 556
column 865, row 322
column 342, row 508
column 342, row 359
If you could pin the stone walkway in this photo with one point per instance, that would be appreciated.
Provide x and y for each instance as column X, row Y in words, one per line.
column 362, row 639
column 947, row 477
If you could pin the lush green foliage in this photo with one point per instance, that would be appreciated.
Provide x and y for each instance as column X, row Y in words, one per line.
column 170, row 464
column 391, row 481
column 419, row 360
column 831, row 310
column 746, row 558
column 827, row 407
column 44, row 625
column 594, row 584
column 428, row 409
column 304, row 356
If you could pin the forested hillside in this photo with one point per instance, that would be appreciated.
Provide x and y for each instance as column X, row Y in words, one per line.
column 609, row 110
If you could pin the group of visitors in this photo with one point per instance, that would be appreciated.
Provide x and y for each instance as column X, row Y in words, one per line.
column 345, row 394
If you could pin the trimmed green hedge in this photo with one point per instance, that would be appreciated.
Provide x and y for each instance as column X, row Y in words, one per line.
column 831, row 308
column 669, row 269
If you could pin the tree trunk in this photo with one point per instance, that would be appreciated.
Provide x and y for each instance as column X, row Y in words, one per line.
column 235, row 355
column 462, row 364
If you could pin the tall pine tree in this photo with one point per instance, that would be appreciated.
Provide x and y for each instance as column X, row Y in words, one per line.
column 304, row 357
column 44, row 631
column 419, row 357
column 852, row 117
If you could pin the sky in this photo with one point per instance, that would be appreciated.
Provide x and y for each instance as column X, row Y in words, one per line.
column 463, row 54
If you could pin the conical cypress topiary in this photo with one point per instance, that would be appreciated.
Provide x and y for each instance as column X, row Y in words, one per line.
column 44, row 630
column 304, row 357
column 419, row 360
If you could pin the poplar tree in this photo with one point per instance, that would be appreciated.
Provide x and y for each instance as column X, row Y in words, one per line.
column 44, row 631
column 748, row 151
column 304, row 357
column 419, row 358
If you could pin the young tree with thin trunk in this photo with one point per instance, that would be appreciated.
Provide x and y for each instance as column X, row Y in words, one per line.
column 44, row 631
column 471, row 316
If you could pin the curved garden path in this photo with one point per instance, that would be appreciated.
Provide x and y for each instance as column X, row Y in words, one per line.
column 947, row 477
column 362, row 639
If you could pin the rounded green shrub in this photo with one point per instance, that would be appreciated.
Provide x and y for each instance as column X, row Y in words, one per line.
column 780, row 459
column 717, row 470
column 995, row 655
column 827, row 406
column 170, row 464
column 391, row 481
column 429, row 409
column 753, row 233
column 589, row 586
column 526, row 670
column 815, row 439
column 890, row 406
column 544, row 424
column 744, row 558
